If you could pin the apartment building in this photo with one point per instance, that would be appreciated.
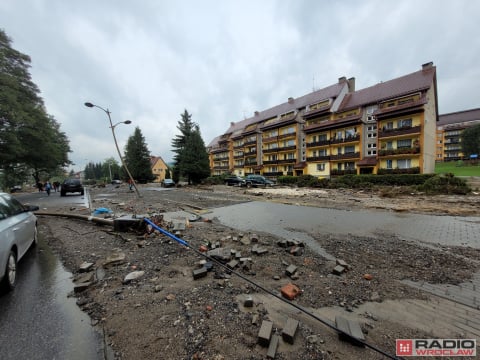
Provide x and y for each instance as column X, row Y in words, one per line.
column 389, row 127
column 449, row 130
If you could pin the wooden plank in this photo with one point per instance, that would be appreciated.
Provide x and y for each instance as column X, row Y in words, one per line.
column 272, row 348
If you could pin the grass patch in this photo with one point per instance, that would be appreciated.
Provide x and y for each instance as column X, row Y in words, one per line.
column 457, row 168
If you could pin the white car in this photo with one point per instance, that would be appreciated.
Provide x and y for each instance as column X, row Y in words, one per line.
column 18, row 232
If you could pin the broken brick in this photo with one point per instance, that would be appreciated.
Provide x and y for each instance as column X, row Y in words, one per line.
column 338, row 270
column 265, row 333
column 289, row 330
column 199, row 273
column 290, row 291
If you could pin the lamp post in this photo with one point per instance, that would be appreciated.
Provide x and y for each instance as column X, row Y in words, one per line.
column 88, row 104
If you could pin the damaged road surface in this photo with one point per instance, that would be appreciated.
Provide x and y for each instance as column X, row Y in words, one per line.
column 250, row 292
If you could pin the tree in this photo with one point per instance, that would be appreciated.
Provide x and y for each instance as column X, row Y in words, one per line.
column 24, row 122
column 191, row 157
column 471, row 140
column 185, row 125
column 137, row 157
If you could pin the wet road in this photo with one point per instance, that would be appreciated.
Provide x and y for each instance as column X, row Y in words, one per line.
column 38, row 320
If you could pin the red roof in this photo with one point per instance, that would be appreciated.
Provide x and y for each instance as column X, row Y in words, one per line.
column 459, row 117
column 417, row 81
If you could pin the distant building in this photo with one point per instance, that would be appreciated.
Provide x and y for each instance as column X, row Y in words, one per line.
column 449, row 131
column 159, row 168
column 386, row 128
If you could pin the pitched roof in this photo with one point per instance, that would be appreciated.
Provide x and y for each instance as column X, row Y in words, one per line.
column 407, row 84
column 459, row 117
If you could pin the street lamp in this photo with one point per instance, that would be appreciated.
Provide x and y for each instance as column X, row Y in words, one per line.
column 88, row 104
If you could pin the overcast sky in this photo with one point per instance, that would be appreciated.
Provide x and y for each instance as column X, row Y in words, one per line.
column 149, row 60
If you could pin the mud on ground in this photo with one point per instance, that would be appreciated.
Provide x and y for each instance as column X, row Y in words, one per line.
column 166, row 314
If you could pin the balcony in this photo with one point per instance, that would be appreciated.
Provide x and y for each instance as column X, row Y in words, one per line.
column 252, row 142
column 270, row 162
column 250, row 162
column 346, row 139
column 273, row 174
column 413, row 170
column 238, row 156
column 406, row 130
column 286, row 148
column 318, row 158
column 318, row 143
column 250, row 153
column 399, row 151
column 283, row 136
column 287, row 161
column 355, row 155
column 267, row 151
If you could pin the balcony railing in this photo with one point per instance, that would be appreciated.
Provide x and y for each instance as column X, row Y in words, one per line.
column 273, row 174
column 283, row 136
column 318, row 158
column 270, row 162
column 267, row 151
column 250, row 142
column 399, row 151
column 318, row 143
column 399, row 131
column 285, row 148
column 345, row 156
column 287, row 161
column 252, row 162
column 345, row 139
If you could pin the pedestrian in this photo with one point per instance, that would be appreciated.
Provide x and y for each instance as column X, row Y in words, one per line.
column 130, row 184
column 48, row 187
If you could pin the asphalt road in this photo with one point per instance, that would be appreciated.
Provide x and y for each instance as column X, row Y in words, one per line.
column 38, row 320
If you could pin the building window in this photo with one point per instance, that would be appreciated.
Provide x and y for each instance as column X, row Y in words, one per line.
column 321, row 167
column 404, row 123
column 322, row 152
column 389, row 164
column 404, row 163
column 349, row 150
column 402, row 144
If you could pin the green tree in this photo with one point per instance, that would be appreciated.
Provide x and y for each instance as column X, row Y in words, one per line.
column 24, row 122
column 137, row 157
column 191, row 157
column 471, row 140
column 195, row 163
column 185, row 126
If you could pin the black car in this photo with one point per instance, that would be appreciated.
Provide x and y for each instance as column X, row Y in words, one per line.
column 258, row 181
column 234, row 181
column 72, row 186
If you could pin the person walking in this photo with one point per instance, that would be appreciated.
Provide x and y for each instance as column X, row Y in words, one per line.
column 48, row 187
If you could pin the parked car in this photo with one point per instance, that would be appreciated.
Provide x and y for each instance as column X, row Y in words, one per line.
column 168, row 183
column 18, row 232
column 116, row 182
column 258, row 181
column 235, row 181
column 71, row 186
column 15, row 188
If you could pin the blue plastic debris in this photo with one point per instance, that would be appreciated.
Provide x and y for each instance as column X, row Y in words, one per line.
column 102, row 211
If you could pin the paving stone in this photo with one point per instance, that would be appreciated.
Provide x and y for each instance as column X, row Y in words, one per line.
column 338, row 270
column 199, row 273
column 272, row 348
column 289, row 330
column 343, row 263
column 265, row 333
column 248, row 302
column 351, row 330
column 291, row 269
column 232, row 264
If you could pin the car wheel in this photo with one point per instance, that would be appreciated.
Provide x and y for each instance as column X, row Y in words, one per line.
column 226, row 183
column 35, row 236
column 82, row 192
column 9, row 280
column 62, row 193
column 249, row 185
